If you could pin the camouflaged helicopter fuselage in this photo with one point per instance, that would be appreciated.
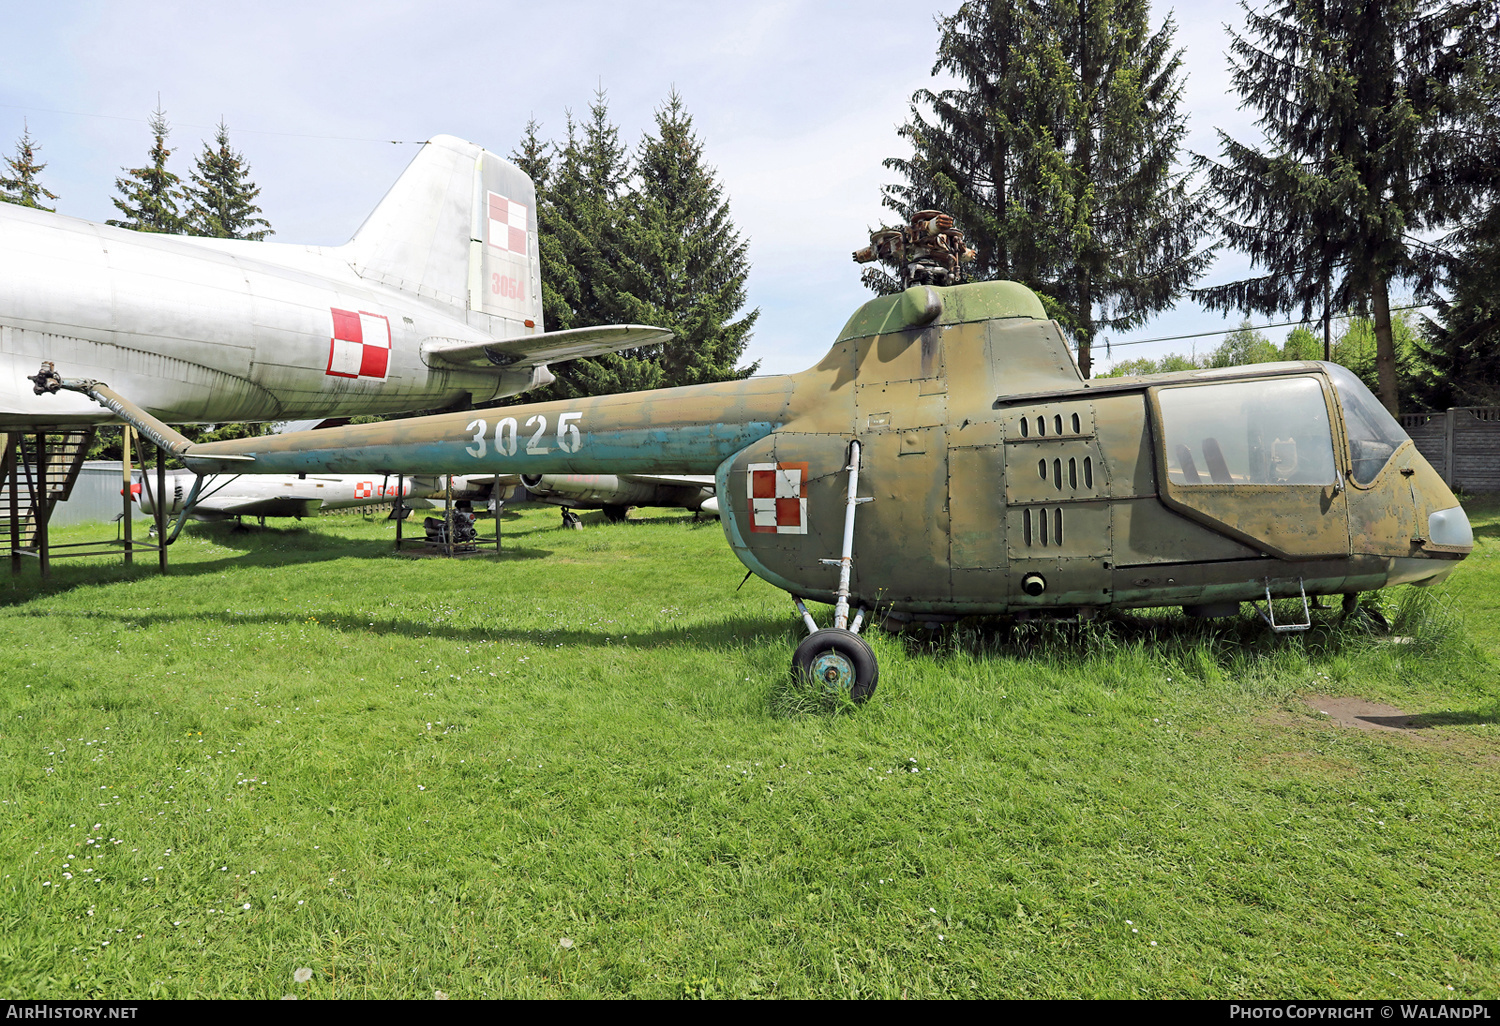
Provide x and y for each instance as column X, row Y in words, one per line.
column 991, row 465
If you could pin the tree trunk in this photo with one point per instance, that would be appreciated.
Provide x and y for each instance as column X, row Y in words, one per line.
column 1385, row 345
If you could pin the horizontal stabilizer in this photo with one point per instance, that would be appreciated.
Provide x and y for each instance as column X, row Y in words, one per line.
column 544, row 347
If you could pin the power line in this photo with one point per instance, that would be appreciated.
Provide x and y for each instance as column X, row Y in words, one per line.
column 1242, row 327
column 240, row 131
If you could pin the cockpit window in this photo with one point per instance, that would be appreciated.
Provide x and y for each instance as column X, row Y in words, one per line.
column 1274, row 431
column 1374, row 435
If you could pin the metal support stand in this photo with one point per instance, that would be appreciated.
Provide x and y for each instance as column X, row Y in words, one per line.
column 43, row 507
column 125, row 517
column 161, row 508
column 399, row 510
column 448, row 516
column 9, row 471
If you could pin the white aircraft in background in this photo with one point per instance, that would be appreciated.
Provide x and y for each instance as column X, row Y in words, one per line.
column 223, row 496
column 435, row 302
column 612, row 493
column 615, row 493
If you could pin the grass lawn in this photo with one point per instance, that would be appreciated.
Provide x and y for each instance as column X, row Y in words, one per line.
column 579, row 769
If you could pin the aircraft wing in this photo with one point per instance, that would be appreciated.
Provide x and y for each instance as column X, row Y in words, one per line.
column 545, row 347
column 701, row 480
column 279, row 506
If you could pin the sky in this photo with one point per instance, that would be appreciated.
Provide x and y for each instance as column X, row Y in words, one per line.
column 796, row 102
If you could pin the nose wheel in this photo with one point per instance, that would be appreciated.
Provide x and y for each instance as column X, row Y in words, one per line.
column 838, row 660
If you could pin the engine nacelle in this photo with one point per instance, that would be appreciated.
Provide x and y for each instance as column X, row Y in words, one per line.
column 143, row 492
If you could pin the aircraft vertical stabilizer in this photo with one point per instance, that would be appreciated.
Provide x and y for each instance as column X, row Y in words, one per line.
column 459, row 227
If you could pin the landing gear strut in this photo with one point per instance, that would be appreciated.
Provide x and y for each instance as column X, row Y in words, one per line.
column 1354, row 607
column 837, row 657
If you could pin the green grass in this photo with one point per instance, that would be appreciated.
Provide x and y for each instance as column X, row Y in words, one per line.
column 422, row 775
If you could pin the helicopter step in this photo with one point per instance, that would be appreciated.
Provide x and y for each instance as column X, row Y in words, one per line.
column 1269, row 613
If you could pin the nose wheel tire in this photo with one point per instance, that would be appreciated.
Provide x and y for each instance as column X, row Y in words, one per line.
column 839, row 661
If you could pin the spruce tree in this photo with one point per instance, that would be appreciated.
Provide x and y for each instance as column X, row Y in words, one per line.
column 1357, row 120
column 1057, row 157
column 984, row 156
column 222, row 197
column 646, row 241
column 587, row 196
column 148, row 195
column 21, row 185
column 1458, row 360
column 682, row 263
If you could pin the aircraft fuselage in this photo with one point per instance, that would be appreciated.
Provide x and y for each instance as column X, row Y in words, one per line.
column 210, row 330
column 997, row 479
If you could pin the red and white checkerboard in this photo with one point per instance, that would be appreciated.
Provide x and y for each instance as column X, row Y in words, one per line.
column 361, row 345
column 507, row 224
column 778, row 498
column 364, row 489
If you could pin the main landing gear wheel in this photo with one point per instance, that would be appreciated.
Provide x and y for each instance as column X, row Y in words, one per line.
column 839, row 660
column 615, row 514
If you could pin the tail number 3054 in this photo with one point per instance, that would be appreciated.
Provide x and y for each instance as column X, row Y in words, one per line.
column 507, row 431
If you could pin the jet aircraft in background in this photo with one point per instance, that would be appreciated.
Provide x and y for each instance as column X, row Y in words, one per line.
column 225, row 496
column 612, row 493
column 435, row 302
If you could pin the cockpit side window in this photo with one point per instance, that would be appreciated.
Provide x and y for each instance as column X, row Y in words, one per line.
column 1374, row 435
column 1274, row 431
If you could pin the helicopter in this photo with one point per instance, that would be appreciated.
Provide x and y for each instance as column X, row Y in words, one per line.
column 945, row 458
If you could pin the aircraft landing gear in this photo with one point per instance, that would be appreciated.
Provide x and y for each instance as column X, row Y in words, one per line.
column 837, row 657
column 570, row 520
column 1367, row 610
column 840, row 660
column 615, row 514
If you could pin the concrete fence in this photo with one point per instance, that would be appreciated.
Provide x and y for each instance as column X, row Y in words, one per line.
column 1462, row 444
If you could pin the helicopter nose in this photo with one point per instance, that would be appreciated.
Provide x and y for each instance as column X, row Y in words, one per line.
column 1450, row 527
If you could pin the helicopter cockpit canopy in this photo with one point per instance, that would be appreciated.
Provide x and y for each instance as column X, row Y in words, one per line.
column 1374, row 435
column 1272, row 431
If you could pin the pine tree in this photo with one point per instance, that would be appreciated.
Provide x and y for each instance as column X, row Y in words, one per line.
column 1057, row 157
column 148, row 195
column 683, row 264
column 985, row 156
column 587, row 196
column 21, row 186
column 647, row 241
column 1356, row 115
column 1458, row 362
column 222, row 197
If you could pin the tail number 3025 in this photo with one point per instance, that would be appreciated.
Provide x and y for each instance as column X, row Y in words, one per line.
column 507, row 431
